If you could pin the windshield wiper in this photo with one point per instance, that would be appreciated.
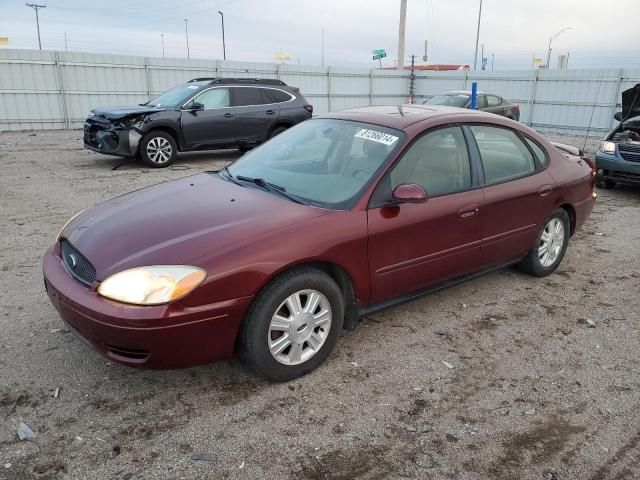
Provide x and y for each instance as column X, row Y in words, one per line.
column 229, row 176
column 271, row 187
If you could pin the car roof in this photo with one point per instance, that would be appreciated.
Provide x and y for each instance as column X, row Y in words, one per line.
column 400, row 116
column 237, row 81
column 467, row 92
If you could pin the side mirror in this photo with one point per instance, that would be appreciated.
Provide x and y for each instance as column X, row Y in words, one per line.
column 409, row 193
column 196, row 106
column 618, row 116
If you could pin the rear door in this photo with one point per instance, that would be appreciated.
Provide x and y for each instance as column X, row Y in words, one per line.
column 517, row 193
column 255, row 113
column 414, row 246
column 211, row 126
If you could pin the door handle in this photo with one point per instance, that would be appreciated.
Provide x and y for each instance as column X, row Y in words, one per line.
column 469, row 211
column 228, row 115
column 545, row 190
column 270, row 112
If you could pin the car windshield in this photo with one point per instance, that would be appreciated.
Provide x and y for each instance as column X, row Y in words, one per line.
column 175, row 97
column 323, row 162
column 457, row 100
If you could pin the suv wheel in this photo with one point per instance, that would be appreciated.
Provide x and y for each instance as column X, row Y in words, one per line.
column 277, row 131
column 550, row 247
column 604, row 183
column 158, row 149
column 293, row 325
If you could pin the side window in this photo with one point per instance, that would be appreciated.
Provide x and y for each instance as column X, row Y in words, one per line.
column 243, row 96
column 481, row 101
column 538, row 151
column 503, row 154
column 214, row 98
column 437, row 161
column 277, row 96
column 493, row 101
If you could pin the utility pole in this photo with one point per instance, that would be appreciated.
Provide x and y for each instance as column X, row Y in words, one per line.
column 401, row 30
column 482, row 66
column 66, row 48
column 36, row 7
column 162, row 40
column 412, row 79
column 186, row 32
column 493, row 59
column 475, row 57
column 224, row 48
column 322, row 58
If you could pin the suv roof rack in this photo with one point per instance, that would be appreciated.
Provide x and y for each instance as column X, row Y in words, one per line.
column 264, row 81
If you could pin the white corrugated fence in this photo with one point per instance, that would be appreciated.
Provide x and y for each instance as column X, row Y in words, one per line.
column 48, row 89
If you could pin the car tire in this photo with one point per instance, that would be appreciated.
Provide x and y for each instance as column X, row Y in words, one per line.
column 604, row 183
column 158, row 149
column 275, row 341
column 277, row 131
column 548, row 252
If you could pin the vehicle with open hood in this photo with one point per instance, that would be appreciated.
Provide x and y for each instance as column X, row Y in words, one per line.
column 618, row 158
column 202, row 114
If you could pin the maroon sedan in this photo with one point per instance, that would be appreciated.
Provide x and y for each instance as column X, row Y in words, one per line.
column 335, row 218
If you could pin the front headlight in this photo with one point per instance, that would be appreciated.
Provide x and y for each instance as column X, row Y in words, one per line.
column 152, row 285
column 67, row 223
column 608, row 147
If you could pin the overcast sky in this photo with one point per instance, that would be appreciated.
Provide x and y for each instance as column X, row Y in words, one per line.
column 603, row 34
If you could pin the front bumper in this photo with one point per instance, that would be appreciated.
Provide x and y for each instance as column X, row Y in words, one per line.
column 104, row 137
column 614, row 167
column 155, row 337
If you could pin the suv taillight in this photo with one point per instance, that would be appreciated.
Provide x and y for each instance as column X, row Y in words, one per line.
column 309, row 108
column 516, row 106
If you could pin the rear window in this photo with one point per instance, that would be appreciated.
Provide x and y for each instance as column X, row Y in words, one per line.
column 493, row 101
column 244, row 96
column 451, row 100
column 538, row 151
column 277, row 96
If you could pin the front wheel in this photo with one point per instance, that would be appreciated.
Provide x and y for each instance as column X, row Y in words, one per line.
column 293, row 325
column 550, row 246
column 158, row 149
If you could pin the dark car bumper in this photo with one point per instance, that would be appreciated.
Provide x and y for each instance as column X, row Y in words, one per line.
column 614, row 167
column 105, row 137
column 156, row 337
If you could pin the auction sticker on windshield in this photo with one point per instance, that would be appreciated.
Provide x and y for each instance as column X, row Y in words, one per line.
column 376, row 136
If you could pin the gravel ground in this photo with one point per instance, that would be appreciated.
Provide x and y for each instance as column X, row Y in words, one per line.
column 535, row 392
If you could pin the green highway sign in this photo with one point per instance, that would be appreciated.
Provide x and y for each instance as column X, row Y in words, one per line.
column 380, row 52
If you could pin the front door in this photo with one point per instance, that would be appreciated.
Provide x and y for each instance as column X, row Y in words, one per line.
column 414, row 246
column 518, row 194
column 214, row 125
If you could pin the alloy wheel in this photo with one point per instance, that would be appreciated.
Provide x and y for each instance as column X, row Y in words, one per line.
column 551, row 242
column 159, row 150
column 299, row 327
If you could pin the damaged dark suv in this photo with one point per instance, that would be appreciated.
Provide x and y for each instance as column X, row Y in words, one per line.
column 202, row 114
column 618, row 158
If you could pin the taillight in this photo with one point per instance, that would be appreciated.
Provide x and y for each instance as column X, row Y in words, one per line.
column 516, row 106
column 309, row 108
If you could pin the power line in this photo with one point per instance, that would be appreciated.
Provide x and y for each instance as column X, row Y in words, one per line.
column 36, row 7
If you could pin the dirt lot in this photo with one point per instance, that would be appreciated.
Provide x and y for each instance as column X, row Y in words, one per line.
column 535, row 392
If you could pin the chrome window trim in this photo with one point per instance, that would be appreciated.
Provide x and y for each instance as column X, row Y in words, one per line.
column 293, row 97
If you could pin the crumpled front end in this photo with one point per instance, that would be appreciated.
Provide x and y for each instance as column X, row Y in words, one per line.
column 111, row 137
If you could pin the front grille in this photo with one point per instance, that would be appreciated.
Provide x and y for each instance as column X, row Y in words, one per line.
column 630, row 151
column 77, row 264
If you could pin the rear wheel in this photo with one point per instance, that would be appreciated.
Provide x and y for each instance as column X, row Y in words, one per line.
column 277, row 131
column 550, row 247
column 158, row 149
column 604, row 183
column 293, row 325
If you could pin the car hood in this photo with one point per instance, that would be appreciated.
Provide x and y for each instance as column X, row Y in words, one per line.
column 631, row 102
column 177, row 222
column 117, row 113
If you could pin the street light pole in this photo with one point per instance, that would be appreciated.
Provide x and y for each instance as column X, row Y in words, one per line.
column 36, row 7
column 186, row 32
column 475, row 57
column 224, row 48
column 552, row 38
column 162, row 39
